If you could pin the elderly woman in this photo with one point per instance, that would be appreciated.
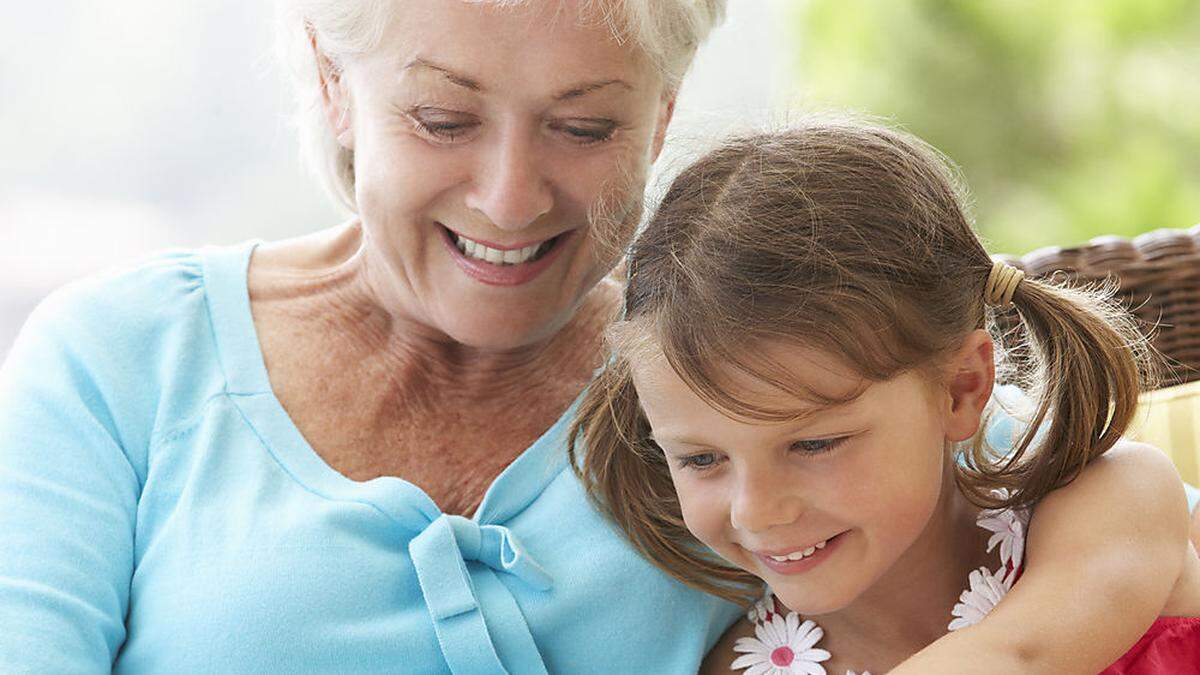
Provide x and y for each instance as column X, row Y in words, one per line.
column 344, row 452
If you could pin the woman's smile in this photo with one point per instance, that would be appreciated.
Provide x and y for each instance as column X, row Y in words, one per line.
column 498, row 265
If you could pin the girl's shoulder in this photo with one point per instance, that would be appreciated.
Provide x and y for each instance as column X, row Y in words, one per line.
column 1138, row 479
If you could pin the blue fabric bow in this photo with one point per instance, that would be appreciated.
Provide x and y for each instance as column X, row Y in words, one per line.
column 452, row 591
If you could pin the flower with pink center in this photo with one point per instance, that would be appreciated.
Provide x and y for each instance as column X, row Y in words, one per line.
column 782, row 646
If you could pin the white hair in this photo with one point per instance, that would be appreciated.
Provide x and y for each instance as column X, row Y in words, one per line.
column 666, row 32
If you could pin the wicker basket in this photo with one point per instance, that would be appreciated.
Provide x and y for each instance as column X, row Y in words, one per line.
column 1158, row 274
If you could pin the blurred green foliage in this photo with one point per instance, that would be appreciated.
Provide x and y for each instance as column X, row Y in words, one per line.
column 1068, row 118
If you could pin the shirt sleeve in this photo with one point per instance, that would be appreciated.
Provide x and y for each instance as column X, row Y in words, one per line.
column 68, row 500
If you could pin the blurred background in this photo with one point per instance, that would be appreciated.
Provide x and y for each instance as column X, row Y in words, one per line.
column 130, row 128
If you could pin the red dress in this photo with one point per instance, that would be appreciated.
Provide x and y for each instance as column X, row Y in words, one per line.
column 1172, row 645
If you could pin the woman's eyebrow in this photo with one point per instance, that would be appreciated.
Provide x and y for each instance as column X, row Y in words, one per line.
column 583, row 89
column 454, row 77
column 570, row 92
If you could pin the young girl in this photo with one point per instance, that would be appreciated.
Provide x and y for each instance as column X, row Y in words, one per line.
column 799, row 395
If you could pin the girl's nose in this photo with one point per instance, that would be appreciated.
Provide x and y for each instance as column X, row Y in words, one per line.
column 764, row 498
column 510, row 185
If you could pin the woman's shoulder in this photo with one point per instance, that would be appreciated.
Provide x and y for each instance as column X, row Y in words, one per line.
column 121, row 299
column 122, row 316
column 131, row 345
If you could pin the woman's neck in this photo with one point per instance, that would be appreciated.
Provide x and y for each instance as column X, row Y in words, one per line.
column 328, row 286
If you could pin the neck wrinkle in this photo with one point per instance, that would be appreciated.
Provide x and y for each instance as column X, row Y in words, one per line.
column 339, row 297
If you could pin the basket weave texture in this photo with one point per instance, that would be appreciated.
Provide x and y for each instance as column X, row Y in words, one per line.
column 1158, row 274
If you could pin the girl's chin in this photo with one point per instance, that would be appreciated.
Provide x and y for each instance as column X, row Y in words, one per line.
column 808, row 605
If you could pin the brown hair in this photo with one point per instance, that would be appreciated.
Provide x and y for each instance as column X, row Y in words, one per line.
column 851, row 239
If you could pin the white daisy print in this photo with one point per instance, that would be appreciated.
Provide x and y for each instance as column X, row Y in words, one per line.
column 782, row 647
column 1008, row 529
column 986, row 590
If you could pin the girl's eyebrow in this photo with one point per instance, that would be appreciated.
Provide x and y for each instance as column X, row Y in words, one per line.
column 681, row 440
column 790, row 428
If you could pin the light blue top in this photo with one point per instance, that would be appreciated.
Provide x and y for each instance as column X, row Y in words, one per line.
column 160, row 513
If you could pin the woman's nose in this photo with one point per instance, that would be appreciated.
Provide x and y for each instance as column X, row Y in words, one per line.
column 510, row 185
column 764, row 498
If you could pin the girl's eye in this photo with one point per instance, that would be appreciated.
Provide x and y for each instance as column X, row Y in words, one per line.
column 817, row 447
column 585, row 131
column 701, row 462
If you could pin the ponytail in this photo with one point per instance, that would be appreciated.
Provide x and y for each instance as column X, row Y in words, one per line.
column 1085, row 364
column 627, row 478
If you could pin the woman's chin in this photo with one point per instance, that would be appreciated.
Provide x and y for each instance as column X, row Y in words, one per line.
column 503, row 329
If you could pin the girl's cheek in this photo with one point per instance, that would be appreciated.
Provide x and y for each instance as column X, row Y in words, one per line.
column 703, row 514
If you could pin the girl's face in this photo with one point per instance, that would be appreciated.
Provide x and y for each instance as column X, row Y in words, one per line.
column 822, row 508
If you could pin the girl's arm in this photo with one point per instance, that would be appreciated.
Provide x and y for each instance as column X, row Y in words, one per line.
column 1103, row 555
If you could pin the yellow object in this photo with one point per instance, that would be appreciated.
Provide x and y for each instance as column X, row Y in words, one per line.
column 1170, row 419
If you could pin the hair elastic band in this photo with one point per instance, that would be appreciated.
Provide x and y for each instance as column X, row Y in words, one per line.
column 1002, row 282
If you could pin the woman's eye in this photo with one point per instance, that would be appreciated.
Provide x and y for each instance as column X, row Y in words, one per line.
column 442, row 124
column 585, row 132
column 816, row 447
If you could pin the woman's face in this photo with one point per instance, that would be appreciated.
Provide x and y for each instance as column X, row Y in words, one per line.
column 820, row 509
column 483, row 137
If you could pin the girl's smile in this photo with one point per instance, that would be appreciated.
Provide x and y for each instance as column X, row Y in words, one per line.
column 798, row 560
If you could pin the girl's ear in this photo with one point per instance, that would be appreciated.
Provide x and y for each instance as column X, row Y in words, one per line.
column 335, row 99
column 970, row 375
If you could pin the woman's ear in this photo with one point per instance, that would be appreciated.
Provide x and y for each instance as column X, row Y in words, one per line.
column 969, row 377
column 335, row 99
column 665, row 112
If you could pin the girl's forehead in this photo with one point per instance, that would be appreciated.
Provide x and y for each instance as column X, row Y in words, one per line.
column 798, row 387
column 757, row 371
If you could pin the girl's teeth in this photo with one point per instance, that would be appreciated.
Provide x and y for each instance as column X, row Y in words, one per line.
column 473, row 249
column 799, row 555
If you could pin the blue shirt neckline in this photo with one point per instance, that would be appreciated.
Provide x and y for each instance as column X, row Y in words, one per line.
column 248, row 384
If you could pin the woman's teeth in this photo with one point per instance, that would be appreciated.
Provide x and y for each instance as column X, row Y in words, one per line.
column 476, row 250
column 797, row 555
